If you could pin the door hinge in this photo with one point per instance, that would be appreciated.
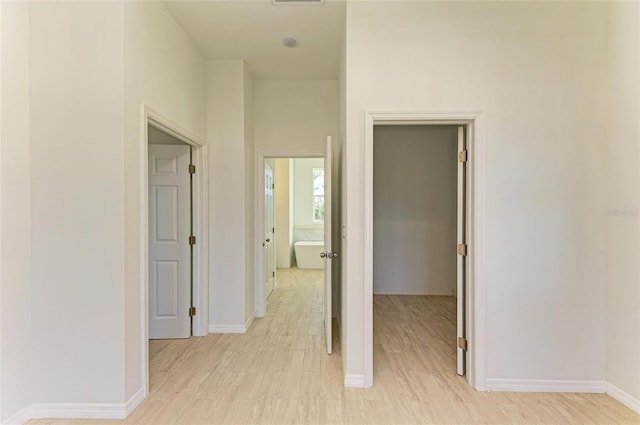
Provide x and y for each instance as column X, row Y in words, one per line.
column 192, row 311
column 462, row 156
column 273, row 274
column 462, row 343
column 273, row 230
column 192, row 240
column 192, row 169
column 462, row 249
column 273, row 185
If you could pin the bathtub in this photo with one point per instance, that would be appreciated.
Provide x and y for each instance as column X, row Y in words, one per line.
column 308, row 254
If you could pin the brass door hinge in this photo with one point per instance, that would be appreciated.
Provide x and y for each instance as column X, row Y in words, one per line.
column 192, row 240
column 462, row 249
column 462, row 343
column 462, row 156
column 192, row 311
column 192, row 169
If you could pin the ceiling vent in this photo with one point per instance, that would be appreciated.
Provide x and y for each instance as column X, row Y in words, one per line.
column 298, row 2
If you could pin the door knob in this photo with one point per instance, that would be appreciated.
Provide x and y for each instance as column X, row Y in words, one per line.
column 323, row 254
column 333, row 254
column 268, row 240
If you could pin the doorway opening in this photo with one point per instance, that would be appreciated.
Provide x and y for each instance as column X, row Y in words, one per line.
column 417, row 223
column 293, row 215
column 422, row 260
column 173, row 234
column 293, row 225
column 171, row 238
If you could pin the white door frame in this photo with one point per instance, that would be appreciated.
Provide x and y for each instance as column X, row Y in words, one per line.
column 475, row 289
column 260, row 300
column 200, row 228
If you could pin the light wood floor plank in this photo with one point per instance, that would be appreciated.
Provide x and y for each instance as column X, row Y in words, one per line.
column 278, row 373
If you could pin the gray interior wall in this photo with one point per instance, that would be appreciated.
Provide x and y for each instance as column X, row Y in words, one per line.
column 414, row 210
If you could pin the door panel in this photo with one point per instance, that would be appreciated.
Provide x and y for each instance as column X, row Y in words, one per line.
column 461, row 259
column 166, row 210
column 169, row 250
column 327, row 310
column 269, row 235
column 167, row 287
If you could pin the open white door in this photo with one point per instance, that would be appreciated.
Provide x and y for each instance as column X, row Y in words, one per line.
column 169, row 249
column 329, row 255
column 462, row 254
column 269, row 235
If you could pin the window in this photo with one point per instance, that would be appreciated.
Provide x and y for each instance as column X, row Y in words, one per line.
column 318, row 195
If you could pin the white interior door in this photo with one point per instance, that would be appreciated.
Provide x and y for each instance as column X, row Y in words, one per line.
column 462, row 255
column 329, row 255
column 269, row 232
column 169, row 249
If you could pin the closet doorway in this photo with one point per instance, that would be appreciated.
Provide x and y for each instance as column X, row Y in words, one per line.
column 419, row 244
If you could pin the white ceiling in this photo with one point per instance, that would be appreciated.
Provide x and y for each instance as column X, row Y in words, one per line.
column 253, row 30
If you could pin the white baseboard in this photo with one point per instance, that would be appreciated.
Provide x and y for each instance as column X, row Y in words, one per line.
column 79, row 411
column 226, row 329
column 19, row 418
column 623, row 397
column 545, row 386
column 232, row 329
column 134, row 402
column 383, row 291
column 354, row 381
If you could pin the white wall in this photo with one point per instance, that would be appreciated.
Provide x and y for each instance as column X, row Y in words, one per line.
column 414, row 210
column 228, row 162
column 295, row 116
column 249, row 196
column 164, row 70
column 536, row 71
column 15, row 211
column 340, row 271
column 303, row 196
column 284, row 213
column 622, row 218
column 77, row 205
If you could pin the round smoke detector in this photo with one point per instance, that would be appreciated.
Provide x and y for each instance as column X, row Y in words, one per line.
column 290, row 42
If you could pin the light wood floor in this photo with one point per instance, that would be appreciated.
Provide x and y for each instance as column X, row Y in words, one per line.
column 277, row 373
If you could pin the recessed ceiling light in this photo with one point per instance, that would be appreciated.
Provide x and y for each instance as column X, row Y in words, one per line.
column 290, row 42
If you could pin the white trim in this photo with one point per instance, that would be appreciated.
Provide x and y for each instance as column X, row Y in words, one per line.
column 78, row 411
column 354, row 381
column 545, row 386
column 201, row 227
column 227, row 329
column 249, row 321
column 134, row 402
column 412, row 292
column 260, row 298
column 623, row 397
column 475, row 302
column 19, row 418
column 368, row 249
